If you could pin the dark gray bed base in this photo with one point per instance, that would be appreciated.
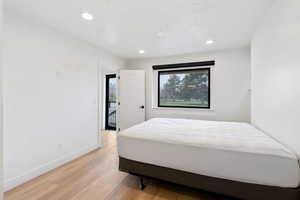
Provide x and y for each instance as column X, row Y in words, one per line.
column 216, row 185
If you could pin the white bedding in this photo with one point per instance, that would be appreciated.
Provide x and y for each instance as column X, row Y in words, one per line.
column 229, row 150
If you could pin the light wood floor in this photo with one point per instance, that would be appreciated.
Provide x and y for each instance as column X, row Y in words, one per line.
column 95, row 176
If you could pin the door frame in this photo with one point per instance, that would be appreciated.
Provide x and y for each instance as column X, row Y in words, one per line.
column 107, row 77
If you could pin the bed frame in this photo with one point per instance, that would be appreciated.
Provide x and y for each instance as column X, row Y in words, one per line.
column 221, row 186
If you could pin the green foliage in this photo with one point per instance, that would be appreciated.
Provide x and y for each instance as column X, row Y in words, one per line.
column 185, row 89
column 166, row 102
column 171, row 88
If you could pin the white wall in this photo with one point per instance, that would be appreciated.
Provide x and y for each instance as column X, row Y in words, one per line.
column 230, row 84
column 276, row 74
column 1, row 133
column 51, row 98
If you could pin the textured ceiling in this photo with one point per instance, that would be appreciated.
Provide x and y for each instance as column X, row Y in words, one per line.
column 125, row 27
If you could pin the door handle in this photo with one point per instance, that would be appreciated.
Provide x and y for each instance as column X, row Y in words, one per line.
column 142, row 107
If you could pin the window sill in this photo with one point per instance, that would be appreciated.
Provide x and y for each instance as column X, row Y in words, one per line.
column 185, row 109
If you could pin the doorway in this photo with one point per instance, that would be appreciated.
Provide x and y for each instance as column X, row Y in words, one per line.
column 111, row 102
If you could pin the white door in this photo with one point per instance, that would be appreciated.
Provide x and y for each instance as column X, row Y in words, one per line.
column 131, row 95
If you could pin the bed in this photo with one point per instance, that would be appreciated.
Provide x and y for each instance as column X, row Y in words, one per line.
column 230, row 158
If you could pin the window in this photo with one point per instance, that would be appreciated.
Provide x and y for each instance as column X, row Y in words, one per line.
column 184, row 88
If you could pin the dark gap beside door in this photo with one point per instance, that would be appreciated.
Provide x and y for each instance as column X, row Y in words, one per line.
column 111, row 102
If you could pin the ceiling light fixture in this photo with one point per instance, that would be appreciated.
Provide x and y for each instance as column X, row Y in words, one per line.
column 209, row 42
column 141, row 51
column 160, row 34
column 87, row 16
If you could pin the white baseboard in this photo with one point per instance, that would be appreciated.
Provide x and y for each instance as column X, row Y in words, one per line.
column 14, row 182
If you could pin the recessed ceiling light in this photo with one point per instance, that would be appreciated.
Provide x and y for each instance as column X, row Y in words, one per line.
column 141, row 51
column 160, row 34
column 209, row 42
column 87, row 16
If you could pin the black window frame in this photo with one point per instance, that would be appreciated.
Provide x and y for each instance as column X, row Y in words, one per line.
column 185, row 70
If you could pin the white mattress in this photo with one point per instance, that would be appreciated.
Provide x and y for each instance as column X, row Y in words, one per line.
column 228, row 150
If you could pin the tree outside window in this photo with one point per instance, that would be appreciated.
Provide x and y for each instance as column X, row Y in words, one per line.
column 184, row 88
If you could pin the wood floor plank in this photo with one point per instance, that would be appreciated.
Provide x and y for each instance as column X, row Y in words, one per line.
column 95, row 176
column 102, row 187
column 149, row 192
column 127, row 189
column 165, row 193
